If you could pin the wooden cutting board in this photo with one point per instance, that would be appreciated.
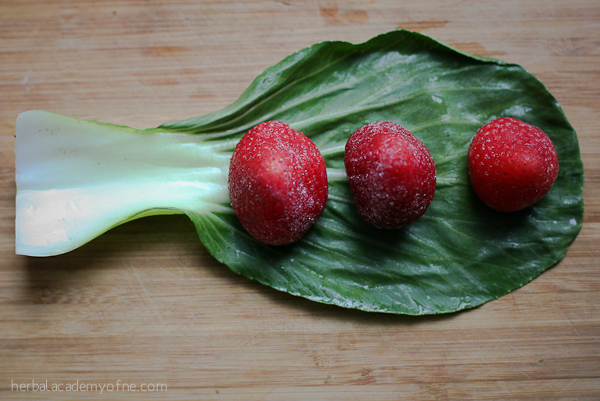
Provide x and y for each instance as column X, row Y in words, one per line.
column 144, row 312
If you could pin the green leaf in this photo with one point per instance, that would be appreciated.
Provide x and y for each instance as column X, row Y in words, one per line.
column 460, row 254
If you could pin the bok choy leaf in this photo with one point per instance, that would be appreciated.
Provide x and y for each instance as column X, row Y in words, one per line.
column 77, row 178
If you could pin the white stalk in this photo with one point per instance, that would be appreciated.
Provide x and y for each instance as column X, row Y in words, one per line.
column 78, row 178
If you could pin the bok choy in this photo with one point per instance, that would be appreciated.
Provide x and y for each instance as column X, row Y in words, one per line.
column 77, row 178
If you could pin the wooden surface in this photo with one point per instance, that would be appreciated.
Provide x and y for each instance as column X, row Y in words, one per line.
column 145, row 304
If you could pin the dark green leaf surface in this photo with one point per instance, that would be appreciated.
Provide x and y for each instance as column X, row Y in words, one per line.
column 460, row 254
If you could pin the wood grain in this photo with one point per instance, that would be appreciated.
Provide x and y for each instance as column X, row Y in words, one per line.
column 145, row 304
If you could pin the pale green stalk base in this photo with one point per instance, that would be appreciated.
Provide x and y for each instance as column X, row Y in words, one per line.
column 78, row 178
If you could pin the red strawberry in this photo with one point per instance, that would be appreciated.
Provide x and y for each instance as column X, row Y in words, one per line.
column 391, row 174
column 512, row 164
column 277, row 183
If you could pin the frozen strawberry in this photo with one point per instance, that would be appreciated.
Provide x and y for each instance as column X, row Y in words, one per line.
column 512, row 164
column 391, row 174
column 277, row 183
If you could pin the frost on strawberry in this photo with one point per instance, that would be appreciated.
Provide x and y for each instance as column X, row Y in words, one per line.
column 277, row 183
column 391, row 174
column 512, row 164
